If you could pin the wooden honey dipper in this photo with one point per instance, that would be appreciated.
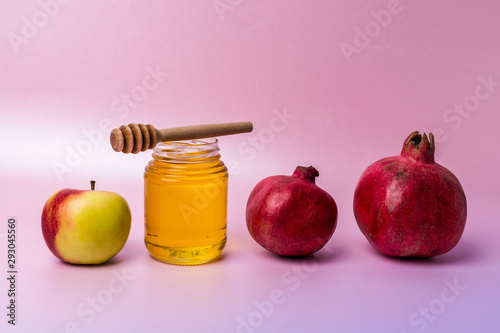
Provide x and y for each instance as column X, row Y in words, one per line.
column 133, row 138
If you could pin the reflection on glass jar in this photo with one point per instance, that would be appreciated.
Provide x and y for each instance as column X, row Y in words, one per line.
column 185, row 189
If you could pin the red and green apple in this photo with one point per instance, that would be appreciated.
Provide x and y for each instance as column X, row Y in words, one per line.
column 85, row 226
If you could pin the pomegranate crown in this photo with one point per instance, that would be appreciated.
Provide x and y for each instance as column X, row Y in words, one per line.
column 309, row 173
column 419, row 148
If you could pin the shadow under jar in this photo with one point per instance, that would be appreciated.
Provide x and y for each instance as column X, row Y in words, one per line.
column 185, row 195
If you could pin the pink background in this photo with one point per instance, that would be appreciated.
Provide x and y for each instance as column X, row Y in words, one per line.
column 251, row 60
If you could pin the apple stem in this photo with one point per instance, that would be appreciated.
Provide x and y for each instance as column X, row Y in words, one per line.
column 92, row 185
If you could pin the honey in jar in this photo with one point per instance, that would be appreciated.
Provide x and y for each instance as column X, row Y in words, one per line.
column 185, row 188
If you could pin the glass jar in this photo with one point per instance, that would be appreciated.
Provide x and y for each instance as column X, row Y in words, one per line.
column 185, row 195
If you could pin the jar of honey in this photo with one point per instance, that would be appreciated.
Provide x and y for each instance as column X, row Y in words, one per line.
column 185, row 189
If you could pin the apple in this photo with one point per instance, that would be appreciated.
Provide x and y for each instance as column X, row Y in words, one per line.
column 85, row 227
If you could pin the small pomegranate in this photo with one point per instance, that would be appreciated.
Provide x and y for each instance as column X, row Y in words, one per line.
column 291, row 215
column 408, row 205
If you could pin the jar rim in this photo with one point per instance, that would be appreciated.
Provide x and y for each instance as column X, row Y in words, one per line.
column 187, row 149
column 192, row 143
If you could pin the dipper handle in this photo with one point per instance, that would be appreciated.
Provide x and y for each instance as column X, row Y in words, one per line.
column 133, row 138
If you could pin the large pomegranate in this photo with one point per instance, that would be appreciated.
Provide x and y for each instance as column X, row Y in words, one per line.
column 291, row 215
column 409, row 205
